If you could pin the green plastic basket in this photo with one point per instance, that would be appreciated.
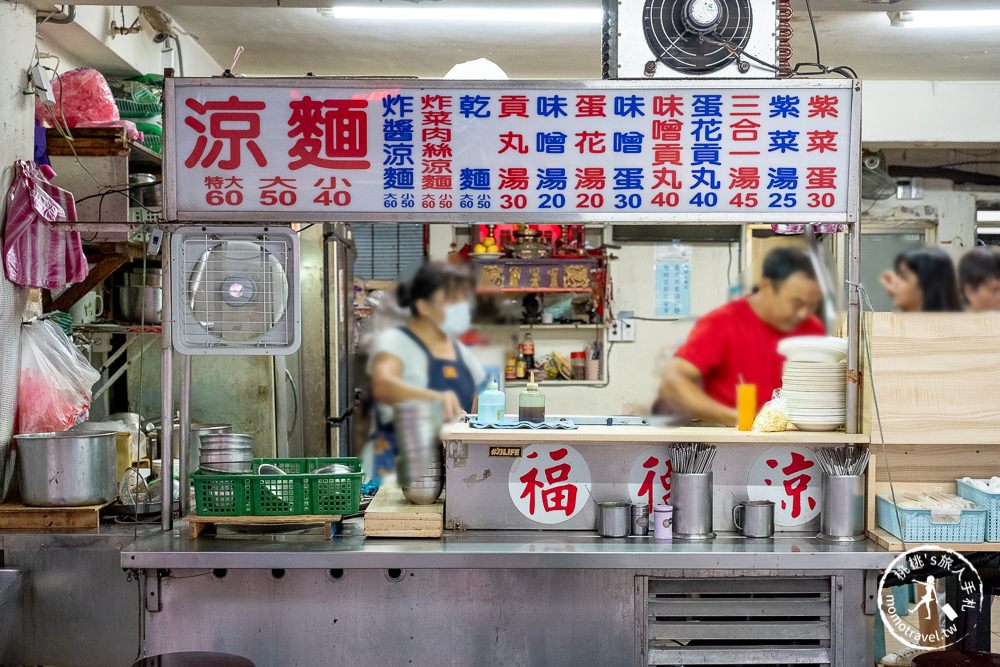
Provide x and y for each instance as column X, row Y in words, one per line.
column 221, row 494
column 132, row 109
column 297, row 493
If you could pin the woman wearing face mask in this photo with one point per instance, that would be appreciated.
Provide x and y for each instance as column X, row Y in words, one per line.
column 923, row 281
column 421, row 360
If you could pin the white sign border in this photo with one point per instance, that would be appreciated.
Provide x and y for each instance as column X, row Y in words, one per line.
column 172, row 214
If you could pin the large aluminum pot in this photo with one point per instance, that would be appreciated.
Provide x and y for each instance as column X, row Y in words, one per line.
column 67, row 469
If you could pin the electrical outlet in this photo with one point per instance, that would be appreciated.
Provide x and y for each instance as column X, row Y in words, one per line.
column 622, row 331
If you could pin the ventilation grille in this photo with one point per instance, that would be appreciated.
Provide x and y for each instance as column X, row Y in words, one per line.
column 739, row 621
column 235, row 291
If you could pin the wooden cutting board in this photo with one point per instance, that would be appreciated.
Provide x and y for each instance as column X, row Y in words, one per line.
column 392, row 515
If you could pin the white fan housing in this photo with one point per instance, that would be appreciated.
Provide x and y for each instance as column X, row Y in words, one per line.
column 670, row 39
column 235, row 290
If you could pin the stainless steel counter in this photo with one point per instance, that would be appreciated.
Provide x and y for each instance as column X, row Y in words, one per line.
column 494, row 550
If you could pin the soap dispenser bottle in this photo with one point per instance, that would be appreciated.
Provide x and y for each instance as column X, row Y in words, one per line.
column 531, row 403
column 492, row 404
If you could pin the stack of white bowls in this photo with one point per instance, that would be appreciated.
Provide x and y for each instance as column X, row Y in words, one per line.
column 814, row 382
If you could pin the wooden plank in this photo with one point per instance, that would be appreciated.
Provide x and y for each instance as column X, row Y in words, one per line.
column 197, row 525
column 22, row 517
column 89, row 142
column 936, row 463
column 106, row 265
column 390, row 514
column 936, row 376
column 887, row 541
column 870, row 493
column 614, row 435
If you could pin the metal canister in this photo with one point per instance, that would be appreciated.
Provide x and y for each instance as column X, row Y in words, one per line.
column 691, row 495
column 640, row 520
column 613, row 519
column 843, row 515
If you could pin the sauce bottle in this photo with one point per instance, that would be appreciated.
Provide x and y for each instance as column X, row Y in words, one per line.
column 528, row 350
column 531, row 403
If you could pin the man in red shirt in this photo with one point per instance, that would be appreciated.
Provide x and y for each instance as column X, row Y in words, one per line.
column 739, row 341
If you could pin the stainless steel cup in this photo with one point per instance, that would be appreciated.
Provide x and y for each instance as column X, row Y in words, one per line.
column 613, row 519
column 754, row 518
column 843, row 515
column 691, row 496
column 640, row 520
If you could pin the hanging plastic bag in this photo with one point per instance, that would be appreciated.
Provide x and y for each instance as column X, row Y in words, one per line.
column 55, row 382
column 773, row 417
column 35, row 252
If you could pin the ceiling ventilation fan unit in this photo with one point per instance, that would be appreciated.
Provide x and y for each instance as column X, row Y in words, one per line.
column 235, row 291
column 663, row 39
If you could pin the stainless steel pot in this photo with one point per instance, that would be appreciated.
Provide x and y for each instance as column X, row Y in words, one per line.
column 140, row 304
column 194, row 440
column 67, row 469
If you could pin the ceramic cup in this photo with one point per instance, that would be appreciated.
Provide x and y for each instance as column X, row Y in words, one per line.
column 87, row 309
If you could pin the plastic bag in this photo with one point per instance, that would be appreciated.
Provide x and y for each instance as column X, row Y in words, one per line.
column 55, row 382
column 82, row 96
column 773, row 417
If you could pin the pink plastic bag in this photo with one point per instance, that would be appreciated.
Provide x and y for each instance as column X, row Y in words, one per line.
column 82, row 95
column 55, row 382
column 36, row 253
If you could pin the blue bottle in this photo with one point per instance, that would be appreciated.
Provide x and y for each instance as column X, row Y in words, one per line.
column 492, row 404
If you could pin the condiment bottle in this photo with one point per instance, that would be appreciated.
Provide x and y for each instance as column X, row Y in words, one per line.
column 492, row 404
column 521, row 367
column 528, row 350
column 531, row 403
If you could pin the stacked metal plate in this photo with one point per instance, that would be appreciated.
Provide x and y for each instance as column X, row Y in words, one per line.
column 420, row 462
column 226, row 453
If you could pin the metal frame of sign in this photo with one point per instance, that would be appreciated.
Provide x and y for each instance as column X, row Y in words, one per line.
column 456, row 216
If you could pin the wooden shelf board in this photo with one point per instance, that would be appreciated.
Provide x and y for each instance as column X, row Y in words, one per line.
column 887, row 541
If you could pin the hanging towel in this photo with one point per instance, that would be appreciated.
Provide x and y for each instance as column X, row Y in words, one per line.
column 35, row 252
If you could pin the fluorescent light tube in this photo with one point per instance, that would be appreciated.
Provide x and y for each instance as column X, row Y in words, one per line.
column 946, row 18
column 562, row 15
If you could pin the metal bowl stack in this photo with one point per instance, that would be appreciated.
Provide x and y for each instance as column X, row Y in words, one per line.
column 420, row 462
column 226, row 453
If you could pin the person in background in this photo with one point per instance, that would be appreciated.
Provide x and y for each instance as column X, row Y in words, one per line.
column 738, row 342
column 421, row 360
column 979, row 279
column 923, row 280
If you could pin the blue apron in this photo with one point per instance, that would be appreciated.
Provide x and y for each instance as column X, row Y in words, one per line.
column 442, row 375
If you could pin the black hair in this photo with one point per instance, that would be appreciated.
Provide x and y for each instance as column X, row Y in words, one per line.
column 936, row 276
column 781, row 263
column 976, row 267
column 429, row 279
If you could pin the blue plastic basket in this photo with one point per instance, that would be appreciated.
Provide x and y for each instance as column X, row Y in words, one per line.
column 920, row 526
column 991, row 501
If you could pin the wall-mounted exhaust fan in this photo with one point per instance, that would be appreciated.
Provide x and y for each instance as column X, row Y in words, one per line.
column 235, row 291
column 695, row 38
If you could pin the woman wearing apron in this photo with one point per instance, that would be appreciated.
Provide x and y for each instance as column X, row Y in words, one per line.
column 421, row 360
